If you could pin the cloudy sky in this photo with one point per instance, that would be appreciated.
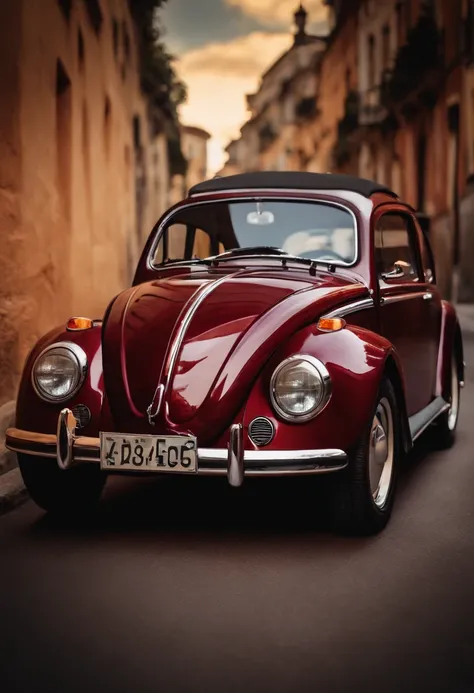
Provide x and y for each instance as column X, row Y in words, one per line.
column 223, row 46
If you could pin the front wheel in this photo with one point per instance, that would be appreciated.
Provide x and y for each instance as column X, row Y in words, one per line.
column 363, row 499
column 66, row 492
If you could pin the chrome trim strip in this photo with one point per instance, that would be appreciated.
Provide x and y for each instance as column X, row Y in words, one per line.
column 402, row 297
column 82, row 364
column 327, row 388
column 362, row 304
column 252, row 196
column 235, row 462
column 256, row 462
column 193, row 304
column 420, row 421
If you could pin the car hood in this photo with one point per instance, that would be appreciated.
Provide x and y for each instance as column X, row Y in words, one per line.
column 191, row 345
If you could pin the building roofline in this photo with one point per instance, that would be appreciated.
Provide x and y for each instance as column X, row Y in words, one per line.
column 194, row 130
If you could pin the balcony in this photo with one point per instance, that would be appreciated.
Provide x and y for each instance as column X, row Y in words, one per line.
column 347, row 126
column 372, row 110
column 418, row 66
column 350, row 120
column 306, row 108
column 267, row 136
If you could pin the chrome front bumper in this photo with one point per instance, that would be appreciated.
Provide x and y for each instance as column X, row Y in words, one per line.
column 234, row 462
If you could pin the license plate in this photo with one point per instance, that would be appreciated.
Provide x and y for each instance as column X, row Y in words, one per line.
column 147, row 453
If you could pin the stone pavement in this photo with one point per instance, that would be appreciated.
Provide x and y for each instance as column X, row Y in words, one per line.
column 12, row 490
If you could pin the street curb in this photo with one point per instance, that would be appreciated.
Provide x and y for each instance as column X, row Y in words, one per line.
column 8, row 459
column 12, row 491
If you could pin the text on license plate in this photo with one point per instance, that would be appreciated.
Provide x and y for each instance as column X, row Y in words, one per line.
column 120, row 452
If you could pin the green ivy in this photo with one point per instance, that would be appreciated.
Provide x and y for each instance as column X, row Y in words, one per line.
column 159, row 81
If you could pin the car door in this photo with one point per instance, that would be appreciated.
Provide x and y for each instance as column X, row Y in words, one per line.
column 410, row 304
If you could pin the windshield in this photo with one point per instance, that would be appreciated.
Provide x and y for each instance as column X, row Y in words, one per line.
column 313, row 230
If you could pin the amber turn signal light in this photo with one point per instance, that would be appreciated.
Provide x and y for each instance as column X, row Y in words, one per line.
column 331, row 324
column 79, row 324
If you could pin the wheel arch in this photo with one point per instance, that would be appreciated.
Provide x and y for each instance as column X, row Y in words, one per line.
column 459, row 352
column 391, row 371
column 451, row 341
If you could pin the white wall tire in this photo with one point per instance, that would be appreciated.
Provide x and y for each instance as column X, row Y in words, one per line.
column 364, row 493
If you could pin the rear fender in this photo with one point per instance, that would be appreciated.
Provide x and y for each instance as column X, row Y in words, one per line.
column 356, row 359
column 451, row 339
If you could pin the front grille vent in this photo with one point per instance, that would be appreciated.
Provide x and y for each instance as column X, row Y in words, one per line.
column 261, row 431
column 82, row 415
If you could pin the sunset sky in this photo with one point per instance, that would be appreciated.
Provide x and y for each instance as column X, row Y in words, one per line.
column 223, row 46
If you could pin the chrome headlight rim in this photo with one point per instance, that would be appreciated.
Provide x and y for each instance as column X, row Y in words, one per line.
column 82, row 364
column 326, row 383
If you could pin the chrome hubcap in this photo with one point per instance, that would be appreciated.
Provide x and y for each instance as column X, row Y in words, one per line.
column 381, row 451
column 454, row 408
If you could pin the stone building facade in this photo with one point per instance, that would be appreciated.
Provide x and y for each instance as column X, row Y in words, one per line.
column 194, row 147
column 83, row 176
column 393, row 100
column 280, row 107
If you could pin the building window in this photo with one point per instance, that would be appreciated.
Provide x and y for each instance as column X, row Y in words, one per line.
column 386, row 47
column 115, row 36
column 95, row 14
column 126, row 42
column 371, row 51
column 65, row 6
column 86, row 146
column 348, row 79
column 80, row 48
column 63, row 136
column 107, row 125
column 137, row 139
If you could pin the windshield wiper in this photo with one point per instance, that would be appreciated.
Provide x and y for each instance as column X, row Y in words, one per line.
column 272, row 252
column 192, row 261
column 256, row 250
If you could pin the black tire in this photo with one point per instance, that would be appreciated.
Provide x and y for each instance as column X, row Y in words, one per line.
column 354, row 510
column 68, row 493
column 443, row 431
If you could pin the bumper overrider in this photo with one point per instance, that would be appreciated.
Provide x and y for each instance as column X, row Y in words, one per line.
column 71, row 450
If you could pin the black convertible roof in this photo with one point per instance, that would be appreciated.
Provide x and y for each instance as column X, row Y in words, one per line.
column 299, row 180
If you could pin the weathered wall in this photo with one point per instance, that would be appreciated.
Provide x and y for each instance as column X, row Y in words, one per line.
column 11, row 302
column 87, row 179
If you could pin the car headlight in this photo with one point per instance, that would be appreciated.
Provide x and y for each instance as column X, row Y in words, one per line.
column 59, row 371
column 300, row 388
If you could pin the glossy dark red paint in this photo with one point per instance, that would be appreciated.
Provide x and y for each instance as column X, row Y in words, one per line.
column 260, row 314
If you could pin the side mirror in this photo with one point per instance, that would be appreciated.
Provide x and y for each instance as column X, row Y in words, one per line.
column 400, row 269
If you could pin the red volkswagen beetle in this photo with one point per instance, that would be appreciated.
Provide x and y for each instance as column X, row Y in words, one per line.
column 279, row 324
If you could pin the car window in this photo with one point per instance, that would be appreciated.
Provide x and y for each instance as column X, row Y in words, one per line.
column 316, row 230
column 394, row 247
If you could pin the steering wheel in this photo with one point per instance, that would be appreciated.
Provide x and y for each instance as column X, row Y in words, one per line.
column 323, row 255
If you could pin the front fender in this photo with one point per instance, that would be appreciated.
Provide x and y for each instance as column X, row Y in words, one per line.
column 34, row 414
column 356, row 359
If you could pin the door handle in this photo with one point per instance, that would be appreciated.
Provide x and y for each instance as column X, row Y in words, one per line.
column 428, row 296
